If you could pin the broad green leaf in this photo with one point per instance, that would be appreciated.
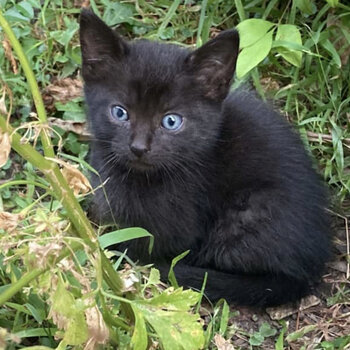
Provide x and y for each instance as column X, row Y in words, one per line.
column 153, row 279
column 124, row 235
column 167, row 33
column 256, row 339
column 76, row 332
column 176, row 330
column 252, row 30
column 333, row 3
column 65, row 36
column 64, row 304
column 338, row 343
column 169, row 316
column 13, row 15
column 289, row 33
column 291, row 46
column 63, row 301
column 116, row 13
column 139, row 338
column 177, row 299
column 251, row 56
column 26, row 9
column 266, row 330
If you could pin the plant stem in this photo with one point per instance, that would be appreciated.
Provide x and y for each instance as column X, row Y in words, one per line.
column 34, row 88
column 62, row 191
column 17, row 286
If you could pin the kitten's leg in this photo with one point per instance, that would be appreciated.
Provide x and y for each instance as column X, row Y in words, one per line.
column 265, row 252
column 263, row 290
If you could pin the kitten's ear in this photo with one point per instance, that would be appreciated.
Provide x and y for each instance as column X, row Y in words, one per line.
column 100, row 46
column 214, row 63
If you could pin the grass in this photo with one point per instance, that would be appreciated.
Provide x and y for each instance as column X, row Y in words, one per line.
column 43, row 249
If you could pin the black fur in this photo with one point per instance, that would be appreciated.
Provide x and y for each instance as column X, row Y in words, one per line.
column 234, row 184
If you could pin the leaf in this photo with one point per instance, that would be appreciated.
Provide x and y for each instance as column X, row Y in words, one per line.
column 76, row 332
column 72, row 111
column 171, row 274
column 266, row 330
column 167, row 33
column 333, row 3
column 124, row 235
column 256, row 339
column 26, row 9
column 224, row 317
column 67, row 314
column 65, row 36
column 169, row 316
column 74, row 177
column 13, row 15
column 139, row 338
column 35, row 332
column 331, row 49
column 177, row 299
column 153, row 279
column 251, row 56
column 280, row 339
column 221, row 343
column 9, row 221
column 338, row 154
column 5, row 148
column 300, row 333
column 252, row 30
column 76, row 180
column 291, row 34
column 306, row 6
column 117, row 13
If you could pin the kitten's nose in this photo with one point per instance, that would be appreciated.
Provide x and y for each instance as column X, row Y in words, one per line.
column 139, row 148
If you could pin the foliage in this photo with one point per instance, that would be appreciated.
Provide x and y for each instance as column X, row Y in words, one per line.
column 56, row 282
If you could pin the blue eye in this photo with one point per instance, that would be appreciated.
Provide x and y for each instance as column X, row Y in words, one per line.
column 119, row 113
column 172, row 122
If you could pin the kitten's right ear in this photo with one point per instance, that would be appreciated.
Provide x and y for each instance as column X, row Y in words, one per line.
column 100, row 46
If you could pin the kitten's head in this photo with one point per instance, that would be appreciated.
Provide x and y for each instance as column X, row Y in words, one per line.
column 154, row 105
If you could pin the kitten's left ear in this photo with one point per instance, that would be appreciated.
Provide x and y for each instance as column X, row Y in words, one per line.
column 214, row 63
column 101, row 47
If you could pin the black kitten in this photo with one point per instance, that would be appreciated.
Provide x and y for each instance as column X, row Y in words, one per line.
column 202, row 169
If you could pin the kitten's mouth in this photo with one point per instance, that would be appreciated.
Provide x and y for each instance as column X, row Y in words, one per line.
column 140, row 165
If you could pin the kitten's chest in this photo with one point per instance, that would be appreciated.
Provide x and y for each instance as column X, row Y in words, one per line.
column 174, row 215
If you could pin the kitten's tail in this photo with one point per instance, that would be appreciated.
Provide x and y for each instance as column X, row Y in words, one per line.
column 257, row 290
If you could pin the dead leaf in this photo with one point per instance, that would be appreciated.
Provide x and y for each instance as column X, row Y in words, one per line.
column 222, row 343
column 5, row 147
column 76, row 180
column 3, row 109
column 9, row 55
column 63, row 90
column 9, row 221
column 280, row 312
column 70, row 125
column 43, row 252
column 129, row 278
column 340, row 266
column 97, row 329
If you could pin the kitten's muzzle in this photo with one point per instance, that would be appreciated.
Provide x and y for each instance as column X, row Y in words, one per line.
column 139, row 149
